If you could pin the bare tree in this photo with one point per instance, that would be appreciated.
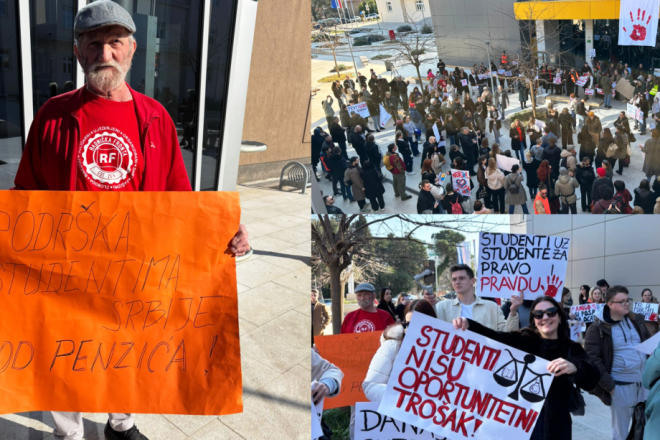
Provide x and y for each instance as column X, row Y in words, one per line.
column 338, row 240
column 332, row 40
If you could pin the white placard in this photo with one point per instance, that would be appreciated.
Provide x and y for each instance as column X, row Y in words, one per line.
column 372, row 425
column 581, row 81
column 631, row 111
column 586, row 312
column 636, row 29
column 648, row 310
column 511, row 263
column 464, row 82
column 540, row 124
column 508, row 73
column 599, row 91
column 649, row 345
column 361, row 109
column 384, row 116
column 651, row 126
column 317, row 413
column 575, row 330
column 461, row 181
column 557, row 80
column 436, row 133
column 639, row 115
column 588, row 91
column 501, row 71
column 495, row 378
column 505, row 163
column 592, row 53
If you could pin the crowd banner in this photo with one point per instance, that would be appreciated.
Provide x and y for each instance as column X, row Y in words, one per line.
column 352, row 353
column 511, row 263
column 648, row 310
column 586, row 312
column 317, row 414
column 649, row 345
column 461, row 181
column 361, row 109
column 372, row 425
column 638, row 22
column 384, row 116
column 107, row 291
column 505, row 163
column 463, row 385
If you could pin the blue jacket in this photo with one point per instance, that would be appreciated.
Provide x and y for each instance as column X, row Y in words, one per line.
column 651, row 381
column 415, row 116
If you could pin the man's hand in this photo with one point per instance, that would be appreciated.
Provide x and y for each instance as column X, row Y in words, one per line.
column 239, row 244
column 460, row 323
column 516, row 301
column 319, row 391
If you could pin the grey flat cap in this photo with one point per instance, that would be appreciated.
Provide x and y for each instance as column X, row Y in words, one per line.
column 99, row 14
column 365, row 287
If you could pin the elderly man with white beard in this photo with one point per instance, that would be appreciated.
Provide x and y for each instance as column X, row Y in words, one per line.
column 105, row 136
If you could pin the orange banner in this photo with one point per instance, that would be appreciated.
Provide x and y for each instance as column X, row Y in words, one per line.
column 121, row 302
column 352, row 353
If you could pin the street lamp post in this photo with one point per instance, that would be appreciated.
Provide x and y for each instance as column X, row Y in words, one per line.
column 491, row 73
column 350, row 46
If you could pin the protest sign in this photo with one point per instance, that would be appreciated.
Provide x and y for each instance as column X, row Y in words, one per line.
column 631, row 111
column 352, row 353
column 436, row 132
column 463, row 385
column 480, row 76
column 648, row 310
column 384, row 116
column 592, row 53
column 515, row 63
column 505, row 163
column 372, row 425
column 613, row 93
column 557, row 80
column 599, row 91
column 586, row 312
column 461, row 182
column 441, row 178
column 507, row 73
column 361, row 109
column 582, row 81
column 464, row 82
column 649, row 345
column 576, row 327
column 624, row 87
column 510, row 263
column 79, row 268
column 588, row 91
column 317, row 414
column 501, row 71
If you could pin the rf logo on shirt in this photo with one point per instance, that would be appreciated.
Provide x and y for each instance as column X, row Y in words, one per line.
column 365, row 326
column 107, row 158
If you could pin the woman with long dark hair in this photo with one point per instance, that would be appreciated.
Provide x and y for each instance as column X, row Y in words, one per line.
column 547, row 337
column 584, row 294
column 544, row 173
column 385, row 302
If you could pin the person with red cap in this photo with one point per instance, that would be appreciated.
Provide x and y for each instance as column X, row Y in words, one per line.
column 601, row 180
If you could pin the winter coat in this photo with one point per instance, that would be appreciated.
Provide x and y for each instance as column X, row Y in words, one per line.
column 469, row 147
column 337, row 132
column 534, row 133
column 327, row 107
column 606, row 85
column 373, row 187
column 425, row 201
column 652, row 158
column 495, row 179
column 344, row 118
column 587, row 145
column 380, row 368
column 502, row 98
column 451, row 200
column 571, row 162
column 553, row 156
column 515, row 199
column 358, row 142
column 523, row 92
column 557, row 418
column 565, row 189
column 599, row 346
column 373, row 154
column 352, row 174
column 621, row 145
column 437, row 164
column 645, row 199
column 651, row 381
column 317, row 144
column 594, row 124
column 513, row 133
column 337, row 165
column 530, row 169
column 604, row 181
column 566, row 121
column 581, row 109
column 585, row 176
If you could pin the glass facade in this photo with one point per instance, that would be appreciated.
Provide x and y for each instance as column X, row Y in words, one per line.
column 166, row 66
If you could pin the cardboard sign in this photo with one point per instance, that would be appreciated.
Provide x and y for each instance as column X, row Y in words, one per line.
column 650, row 345
column 463, row 385
column 589, row 92
column 649, row 310
column 372, row 425
column 317, row 414
column 461, row 182
column 436, row 132
column 384, row 116
column 464, row 82
column 351, row 353
column 586, row 312
column 631, row 111
column 505, row 163
column 511, row 263
column 625, row 88
column 361, row 109
column 119, row 302
column 582, row 81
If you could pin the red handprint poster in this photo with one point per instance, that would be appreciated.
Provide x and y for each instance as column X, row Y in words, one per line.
column 638, row 22
column 512, row 263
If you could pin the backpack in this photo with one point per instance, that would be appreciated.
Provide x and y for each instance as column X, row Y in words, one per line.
column 456, row 208
column 386, row 162
column 564, row 163
column 513, row 188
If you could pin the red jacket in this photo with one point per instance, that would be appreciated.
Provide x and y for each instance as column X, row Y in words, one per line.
column 49, row 158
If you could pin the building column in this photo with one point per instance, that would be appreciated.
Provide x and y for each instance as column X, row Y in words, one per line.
column 588, row 39
column 540, row 39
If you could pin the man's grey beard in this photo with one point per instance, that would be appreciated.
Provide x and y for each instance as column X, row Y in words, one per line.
column 107, row 80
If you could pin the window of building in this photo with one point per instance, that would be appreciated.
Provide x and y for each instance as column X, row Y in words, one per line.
column 389, row 6
column 3, row 7
column 67, row 18
column 67, row 64
column 420, row 5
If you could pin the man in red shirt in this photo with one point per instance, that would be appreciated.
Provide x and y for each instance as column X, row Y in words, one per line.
column 105, row 137
column 367, row 318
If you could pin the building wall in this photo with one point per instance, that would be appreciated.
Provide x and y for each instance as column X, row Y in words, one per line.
column 279, row 90
column 462, row 26
column 621, row 249
column 396, row 14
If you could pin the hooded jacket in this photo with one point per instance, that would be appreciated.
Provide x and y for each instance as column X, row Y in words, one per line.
column 571, row 161
column 49, row 161
column 565, row 187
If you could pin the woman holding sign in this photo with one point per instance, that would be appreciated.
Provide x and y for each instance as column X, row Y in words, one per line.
column 647, row 297
column 547, row 337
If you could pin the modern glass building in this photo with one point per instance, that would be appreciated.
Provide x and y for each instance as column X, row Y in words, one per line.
column 186, row 49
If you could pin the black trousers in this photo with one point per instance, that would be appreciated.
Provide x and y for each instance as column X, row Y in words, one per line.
column 585, row 198
column 377, row 202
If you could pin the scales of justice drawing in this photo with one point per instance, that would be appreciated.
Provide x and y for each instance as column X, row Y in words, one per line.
column 509, row 374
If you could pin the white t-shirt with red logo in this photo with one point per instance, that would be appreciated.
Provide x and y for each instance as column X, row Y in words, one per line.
column 110, row 153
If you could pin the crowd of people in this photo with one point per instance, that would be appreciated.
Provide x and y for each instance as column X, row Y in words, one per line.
column 448, row 124
column 607, row 366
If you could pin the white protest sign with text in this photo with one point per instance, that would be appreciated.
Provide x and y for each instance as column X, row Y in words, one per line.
column 511, row 263
column 648, row 310
column 631, row 110
column 582, row 81
column 361, row 109
column 649, row 345
column 462, row 385
column 586, row 312
column 505, row 163
column 371, row 425
column 384, row 116
column 317, row 413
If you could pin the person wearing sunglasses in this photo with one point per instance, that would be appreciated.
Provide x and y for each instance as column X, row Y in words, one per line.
column 547, row 337
column 610, row 342
column 375, row 383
